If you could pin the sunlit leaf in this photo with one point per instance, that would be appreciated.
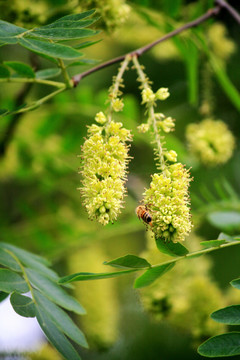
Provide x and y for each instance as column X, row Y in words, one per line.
column 63, row 33
column 128, row 261
column 48, row 73
column 152, row 274
column 77, row 17
column 221, row 345
column 23, row 305
column 212, row 243
column 8, row 261
column 86, row 44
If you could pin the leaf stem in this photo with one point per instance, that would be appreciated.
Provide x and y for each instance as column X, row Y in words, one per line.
column 57, row 84
column 68, row 81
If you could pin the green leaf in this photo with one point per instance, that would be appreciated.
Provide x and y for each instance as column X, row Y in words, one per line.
column 212, row 243
column 50, row 49
column 4, row 72
column 23, row 305
column 152, row 274
column 236, row 283
column 226, row 237
column 3, row 295
column 55, row 336
column 20, row 68
column 82, row 276
column 61, row 319
column 221, row 345
column 82, row 62
column 8, row 30
column 68, row 24
column 4, row 112
column 225, row 220
column 171, row 248
column 63, row 33
column 86, row 44
column 48, row 73
column 77, row 17
column 10, row 281
column 128, row 261
column 229, row 315
column 31, row 260
column 54, row 292
column 8, row 261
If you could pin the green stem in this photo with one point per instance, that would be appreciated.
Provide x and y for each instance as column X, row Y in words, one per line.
column 198, row 253
column 68, row 81
column 39, row 102
column 151, row 114
column 23, row 272
column 57, row 84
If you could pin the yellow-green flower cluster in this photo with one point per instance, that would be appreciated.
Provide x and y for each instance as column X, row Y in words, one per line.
column 188, row 303
column 167, row 200
column 222, row 46
column 104, row 164
column 211, row 141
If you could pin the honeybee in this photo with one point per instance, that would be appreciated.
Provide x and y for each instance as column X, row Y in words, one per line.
column 142, row 213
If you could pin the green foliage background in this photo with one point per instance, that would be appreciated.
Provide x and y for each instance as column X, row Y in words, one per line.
column 41, row 209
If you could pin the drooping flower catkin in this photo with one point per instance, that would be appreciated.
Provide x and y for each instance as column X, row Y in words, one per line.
column 167, row 200
column 104, row 165
column 211, row 141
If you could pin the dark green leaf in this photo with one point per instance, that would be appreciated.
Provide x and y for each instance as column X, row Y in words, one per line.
column 8, row 261
column 50, row 49
column 4, row 72
column 61, row 319
column 86, row 44
column 128, row 261
column 221, row 345
column 8, row 40
column 229, row 315
column 82, row 276
column 236, row 283
column 212, row 243
column 171, row 248
column 3, row 295
column 8, row 30
column 23, row 305
column 47, row 73
column 10, row 281
column 55, row 336
column 31, row 260
column 20, row 68
column 77, row 17
column 54, row 292
column 63, row 33
column 225, row 220
column 151, row 275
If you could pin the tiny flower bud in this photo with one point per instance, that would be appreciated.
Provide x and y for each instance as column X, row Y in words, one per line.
column 162, row 94
column 147, row 95
column 117, row 104
column 171, row 155
column 100, row 118
column 168, row 124
column 143, row 128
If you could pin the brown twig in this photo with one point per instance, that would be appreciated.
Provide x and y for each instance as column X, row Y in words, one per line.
column 230, row 9
column 211, row 12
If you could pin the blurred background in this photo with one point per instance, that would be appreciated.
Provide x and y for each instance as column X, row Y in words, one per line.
column 41, row 209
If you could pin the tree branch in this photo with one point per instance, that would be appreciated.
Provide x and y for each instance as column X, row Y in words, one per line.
column 230, row 9
column 211, row 12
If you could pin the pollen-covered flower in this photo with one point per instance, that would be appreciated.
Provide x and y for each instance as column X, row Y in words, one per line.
column 171, row 155
column 104, row 165
column 211, row 141
column 100, row 118
column 167, row 200
column 117, row 104
column 167, row 124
